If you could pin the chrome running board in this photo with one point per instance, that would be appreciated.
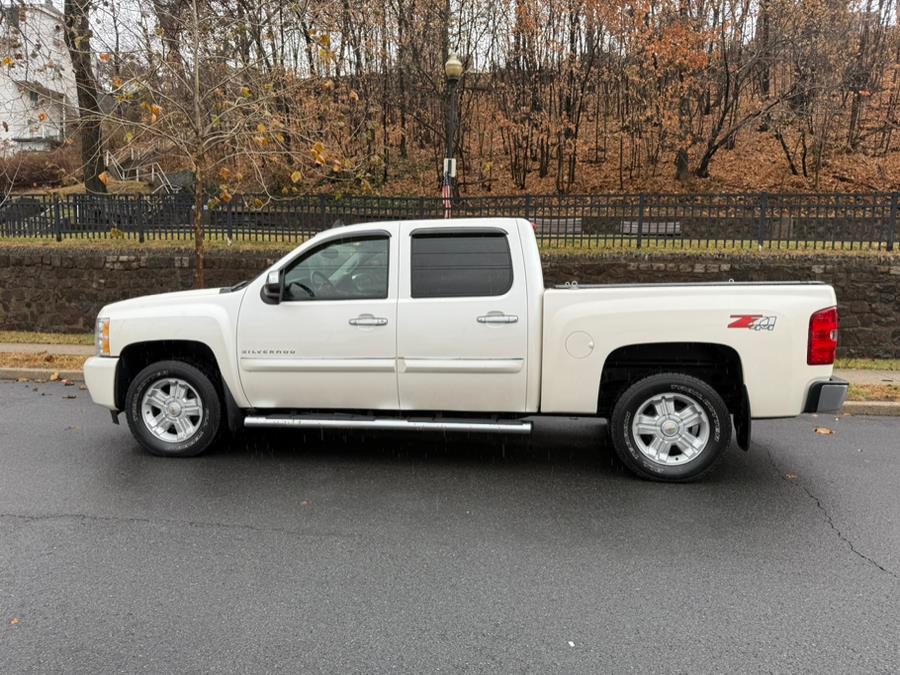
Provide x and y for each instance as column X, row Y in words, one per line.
column 486, row 426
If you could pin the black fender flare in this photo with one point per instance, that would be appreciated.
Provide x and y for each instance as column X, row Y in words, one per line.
column 234, row 415
column 742, row 420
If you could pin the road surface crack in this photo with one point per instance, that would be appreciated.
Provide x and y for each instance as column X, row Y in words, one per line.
column 828, row 519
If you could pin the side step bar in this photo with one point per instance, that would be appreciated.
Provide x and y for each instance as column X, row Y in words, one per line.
column 388, row 423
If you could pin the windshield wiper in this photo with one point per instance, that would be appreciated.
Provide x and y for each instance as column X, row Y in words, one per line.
column 238, row 286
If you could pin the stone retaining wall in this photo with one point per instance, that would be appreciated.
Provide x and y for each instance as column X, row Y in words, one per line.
column 61, row 290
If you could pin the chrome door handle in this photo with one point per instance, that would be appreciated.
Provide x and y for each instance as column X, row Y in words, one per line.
column 368, row 320
column 497, row 318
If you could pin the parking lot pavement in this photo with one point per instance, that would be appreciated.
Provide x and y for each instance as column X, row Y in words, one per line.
column 374, row 553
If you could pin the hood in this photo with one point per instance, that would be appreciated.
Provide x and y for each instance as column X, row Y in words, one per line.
column 176, row 298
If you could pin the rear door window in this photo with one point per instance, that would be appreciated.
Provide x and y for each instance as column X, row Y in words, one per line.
column 455, row 265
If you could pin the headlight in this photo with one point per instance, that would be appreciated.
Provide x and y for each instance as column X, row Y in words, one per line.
column 102, row 336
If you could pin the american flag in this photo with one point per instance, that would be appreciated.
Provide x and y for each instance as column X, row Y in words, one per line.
column 445, row 193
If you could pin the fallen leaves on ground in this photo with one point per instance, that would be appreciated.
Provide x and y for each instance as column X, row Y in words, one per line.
column 791, row 476
column 825, row 431
column 874, row 392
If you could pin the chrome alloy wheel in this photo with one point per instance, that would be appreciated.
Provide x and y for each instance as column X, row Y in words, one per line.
column 172, row 410
column 671, row 429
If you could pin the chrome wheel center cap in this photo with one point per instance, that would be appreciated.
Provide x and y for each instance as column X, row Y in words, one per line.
column 669, row 427
column 173, row 409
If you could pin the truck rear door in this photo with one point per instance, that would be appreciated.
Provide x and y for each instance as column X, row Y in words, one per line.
column 462, row 322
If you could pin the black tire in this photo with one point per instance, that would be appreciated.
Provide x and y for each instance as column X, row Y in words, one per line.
column 627, row 443
column 210, row 419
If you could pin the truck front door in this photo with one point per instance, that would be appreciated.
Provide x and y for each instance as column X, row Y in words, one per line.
column 331, row 341
column 461, row 319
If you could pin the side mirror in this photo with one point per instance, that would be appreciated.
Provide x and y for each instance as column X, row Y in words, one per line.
column 272, row 289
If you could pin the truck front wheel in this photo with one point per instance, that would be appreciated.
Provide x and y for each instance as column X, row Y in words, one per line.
column 173, row 409
column 670, row 427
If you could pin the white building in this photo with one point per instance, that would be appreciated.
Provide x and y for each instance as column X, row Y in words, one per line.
column 37, row 85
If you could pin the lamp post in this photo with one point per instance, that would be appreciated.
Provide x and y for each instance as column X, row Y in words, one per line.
column 453, row 69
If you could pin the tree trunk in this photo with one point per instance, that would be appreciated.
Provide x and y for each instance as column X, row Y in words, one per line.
column 78, row 42
column 682, row 168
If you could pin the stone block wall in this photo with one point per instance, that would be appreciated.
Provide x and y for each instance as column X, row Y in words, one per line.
column 61, row 289
column 867, row 285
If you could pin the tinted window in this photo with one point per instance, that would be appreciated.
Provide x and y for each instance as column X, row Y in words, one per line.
column 460, row 265
column 344, row 269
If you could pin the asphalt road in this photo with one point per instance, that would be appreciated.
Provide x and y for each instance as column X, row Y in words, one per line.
column 356, row 553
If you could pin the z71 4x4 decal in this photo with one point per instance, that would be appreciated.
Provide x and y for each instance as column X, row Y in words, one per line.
column 752, row 321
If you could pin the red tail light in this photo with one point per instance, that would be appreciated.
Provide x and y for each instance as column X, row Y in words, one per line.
column 823, row 337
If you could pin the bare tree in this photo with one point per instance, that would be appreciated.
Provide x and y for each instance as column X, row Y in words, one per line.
column 78, row 41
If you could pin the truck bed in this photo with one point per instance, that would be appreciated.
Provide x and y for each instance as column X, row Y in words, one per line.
column 766, row 323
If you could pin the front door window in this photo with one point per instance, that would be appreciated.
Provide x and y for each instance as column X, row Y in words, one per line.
column 345, row 269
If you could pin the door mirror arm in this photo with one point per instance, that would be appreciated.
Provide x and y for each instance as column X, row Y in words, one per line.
column 273, row 290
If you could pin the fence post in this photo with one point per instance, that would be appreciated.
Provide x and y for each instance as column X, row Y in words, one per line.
column 528, row 207
column 892, row 222
column 229, row 220
column 640, row 219
column 57, row 218
column 139, row 216
column 322, row 225
column 763, row 218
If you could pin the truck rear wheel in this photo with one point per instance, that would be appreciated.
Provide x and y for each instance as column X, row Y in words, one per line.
column 173, row 409
column 670, row 427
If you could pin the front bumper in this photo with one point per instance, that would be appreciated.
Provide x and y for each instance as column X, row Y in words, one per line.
column 100, row 378
column 827, row 396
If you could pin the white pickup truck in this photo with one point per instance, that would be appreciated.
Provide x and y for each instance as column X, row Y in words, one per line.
column 446, row 325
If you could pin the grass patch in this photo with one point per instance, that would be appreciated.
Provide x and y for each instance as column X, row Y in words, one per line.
column 23, row 336
column 874, row 392
column 694, row 246
column 276, row 244
column 41, row 360
column 868, row 364
column 281, row 242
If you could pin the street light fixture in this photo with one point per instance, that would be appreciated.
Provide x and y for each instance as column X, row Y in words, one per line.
column 453, row 69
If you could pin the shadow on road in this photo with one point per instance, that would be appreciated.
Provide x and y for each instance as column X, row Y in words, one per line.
column 575, row 442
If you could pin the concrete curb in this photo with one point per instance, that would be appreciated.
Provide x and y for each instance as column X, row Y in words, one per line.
column 880, row 408
column 40, row 374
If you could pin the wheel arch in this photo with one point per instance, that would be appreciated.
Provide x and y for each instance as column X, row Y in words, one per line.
column 138, row 355
column 716, row 364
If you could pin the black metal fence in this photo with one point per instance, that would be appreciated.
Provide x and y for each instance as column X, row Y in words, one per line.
column 815, row 221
